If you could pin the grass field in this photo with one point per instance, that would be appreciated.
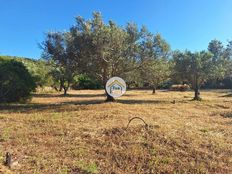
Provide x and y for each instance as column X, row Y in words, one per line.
column 82, row 134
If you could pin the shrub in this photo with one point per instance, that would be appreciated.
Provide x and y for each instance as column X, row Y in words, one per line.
column 180, row 87
column 16, row 83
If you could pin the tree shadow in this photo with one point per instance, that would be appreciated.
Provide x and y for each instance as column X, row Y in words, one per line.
column 37, row 107
column 87, row 102
column 141, row 101
column 68, row 95
column 74, row 105
column 61, row 107
column 130, row 95
column 216, row 90
column 227, row 95
column 22, row 108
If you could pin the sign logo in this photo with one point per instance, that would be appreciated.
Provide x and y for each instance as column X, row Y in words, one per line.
column 116, row 87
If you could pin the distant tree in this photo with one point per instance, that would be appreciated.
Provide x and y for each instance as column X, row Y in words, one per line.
column 219, row 60
column 180, row 68
column 103, row 50
column 61, row 78
column 200, row 70
column 220, row 65
column 16, row 83
column 217, row 49
column 228, row 57
column 58, row 52
column 154, row 52
column 197, row 67
column 228, row 50
column 157, row 73
column 133, row 79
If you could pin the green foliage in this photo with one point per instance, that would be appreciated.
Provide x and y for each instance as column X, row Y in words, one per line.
column 85, row 82
column 88, row 167
column 219, row 60
column 5, row 134
column 217, row 49
column 38, row 69
column 133, row 79
column 154, row 52
column 103, row 50
column 60, row 56
column 16, row 83
column 195, row 68
column 100, row 50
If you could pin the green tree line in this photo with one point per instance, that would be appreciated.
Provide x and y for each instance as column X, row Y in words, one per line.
column 103, row 50
column 92, row 51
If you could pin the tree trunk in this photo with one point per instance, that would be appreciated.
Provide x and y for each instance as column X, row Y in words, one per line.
column 128, row 85
column 60, row 89
column 197, row 95
column 196, row 90
column 153, row 90
column 66, row 88
column 109, row 98
column 55, row 88
column 65, row 91
column 61, row 85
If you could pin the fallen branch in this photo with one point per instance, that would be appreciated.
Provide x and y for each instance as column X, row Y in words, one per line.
column 146, row 125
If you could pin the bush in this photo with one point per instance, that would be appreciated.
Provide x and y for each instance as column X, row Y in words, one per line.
column 85, row 82
column 16, row 83
column 180, row 87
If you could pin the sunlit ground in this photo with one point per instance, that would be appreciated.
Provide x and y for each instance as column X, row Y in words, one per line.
column 82, row 134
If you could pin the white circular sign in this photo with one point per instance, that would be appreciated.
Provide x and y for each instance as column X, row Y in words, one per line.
column 116, row 87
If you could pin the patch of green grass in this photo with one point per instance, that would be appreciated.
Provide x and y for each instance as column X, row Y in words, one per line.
column 78, row 152
column 1, row 155
column 88, row 167
column 5, row 134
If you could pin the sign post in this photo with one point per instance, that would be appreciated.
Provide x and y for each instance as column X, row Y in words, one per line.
column 115, row 87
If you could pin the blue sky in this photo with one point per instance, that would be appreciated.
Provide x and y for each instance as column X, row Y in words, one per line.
column 185, row 24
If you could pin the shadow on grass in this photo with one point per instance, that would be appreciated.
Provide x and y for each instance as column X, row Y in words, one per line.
column 37, row 107
column 227, row 95
column 68, row 95
column 64, row 106
column 141, row 101
column 216, row 90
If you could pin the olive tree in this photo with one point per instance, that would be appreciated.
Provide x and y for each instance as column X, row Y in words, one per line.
column 196, row 67
column 154, row 52
column 103, row 50
column 58, row 52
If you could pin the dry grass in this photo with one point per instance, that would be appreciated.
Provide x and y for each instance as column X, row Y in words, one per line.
column 82, row 134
